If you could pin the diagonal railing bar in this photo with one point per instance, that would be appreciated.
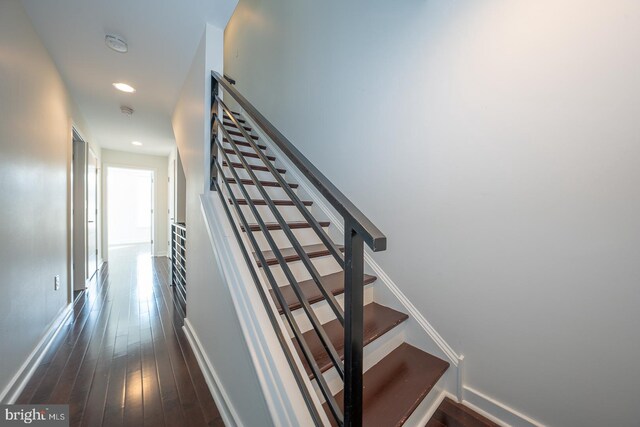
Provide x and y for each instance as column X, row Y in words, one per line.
column 317, row 326
column 324, row 237
column 304, row 257
column 335, row 409
column 273, row 318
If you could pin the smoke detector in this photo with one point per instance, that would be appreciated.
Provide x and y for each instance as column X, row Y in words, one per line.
column 126, row 110
column 116, row 43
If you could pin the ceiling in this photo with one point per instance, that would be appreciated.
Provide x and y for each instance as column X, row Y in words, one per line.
column 162, row 38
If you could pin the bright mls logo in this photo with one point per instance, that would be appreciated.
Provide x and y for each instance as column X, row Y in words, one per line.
column 36, row 415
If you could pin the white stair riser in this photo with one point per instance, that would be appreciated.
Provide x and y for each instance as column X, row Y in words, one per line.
column 323, row 311
column 245, row 147
column 374, row 352
column 243, row 174
column 273, row 192
column 324, row 265
column 250, row 160
column 305, row 236
column 242, row 147
column 289, row 213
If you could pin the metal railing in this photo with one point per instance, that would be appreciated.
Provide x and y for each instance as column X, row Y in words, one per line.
column 179, row 264
column 358, row 230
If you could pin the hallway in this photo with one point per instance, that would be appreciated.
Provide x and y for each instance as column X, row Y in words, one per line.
column 122, row 358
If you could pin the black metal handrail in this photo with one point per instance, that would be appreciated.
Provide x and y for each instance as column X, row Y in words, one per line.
column 374, row 238
column 358, row 230
column 179, row 264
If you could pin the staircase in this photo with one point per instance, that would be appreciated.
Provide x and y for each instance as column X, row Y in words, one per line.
column 312, row 274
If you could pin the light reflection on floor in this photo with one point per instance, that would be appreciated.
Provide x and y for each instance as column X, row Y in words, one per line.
column 127, row 259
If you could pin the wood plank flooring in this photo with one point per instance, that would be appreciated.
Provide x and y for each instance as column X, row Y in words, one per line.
column 122, row 358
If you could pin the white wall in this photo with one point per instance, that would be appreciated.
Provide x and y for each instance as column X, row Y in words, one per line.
column 36, row 115
column 497, row 145
column 142, row 161
column 210, row 309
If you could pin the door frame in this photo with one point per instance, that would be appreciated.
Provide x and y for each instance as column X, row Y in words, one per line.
column 90, row 152
column 105, row 204
column 78, row 211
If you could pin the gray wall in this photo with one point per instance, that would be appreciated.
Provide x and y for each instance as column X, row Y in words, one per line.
column 210, row 309
column 497, row 145
column 36, row 116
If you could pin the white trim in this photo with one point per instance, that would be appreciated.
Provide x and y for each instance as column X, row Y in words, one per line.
column 227, row 411
column 460, row 380
column 453, row 357
column 496, row 411
column 160, row 253
column 24, row 374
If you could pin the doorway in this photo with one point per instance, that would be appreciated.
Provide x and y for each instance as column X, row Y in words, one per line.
column 84, row 213
column 130, row 212
column 92, row 214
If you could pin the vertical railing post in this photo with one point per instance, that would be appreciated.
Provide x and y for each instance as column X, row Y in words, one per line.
column 353, row 324
column 214, row 134
column 173, row 254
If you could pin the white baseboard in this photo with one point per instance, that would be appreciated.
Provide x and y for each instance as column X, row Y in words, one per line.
column 496, row 411
column 24, row 374
column 227, row 411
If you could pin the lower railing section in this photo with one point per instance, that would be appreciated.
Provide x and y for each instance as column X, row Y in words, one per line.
column 179, row 265
column 273, row 316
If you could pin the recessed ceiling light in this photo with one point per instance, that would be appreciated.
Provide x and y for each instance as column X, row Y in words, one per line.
column 124, row 87
column 138, row 143
column 116, row 43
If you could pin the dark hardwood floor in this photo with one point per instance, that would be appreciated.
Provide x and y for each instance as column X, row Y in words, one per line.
column 122, row 358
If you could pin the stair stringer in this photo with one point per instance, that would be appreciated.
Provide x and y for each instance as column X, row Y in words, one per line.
column 279, row 387
column 418, row 331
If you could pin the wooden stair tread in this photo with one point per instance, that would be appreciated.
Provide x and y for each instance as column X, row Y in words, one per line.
column 378, row 320
column 396, row 385
column 246, row 154
column 294, row 225
column 263, row 183
column 253, row 167
column 454, row 414
column 334, row 283
column 262, row 202
column 244, row 143
column 435, row 423
column 290, row 254
column 238, row 133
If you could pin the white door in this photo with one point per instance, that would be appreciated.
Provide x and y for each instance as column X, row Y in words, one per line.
column 92, row 215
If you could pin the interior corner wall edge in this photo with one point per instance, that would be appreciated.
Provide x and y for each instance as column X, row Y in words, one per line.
column 210, row 309
column 496, row 145
column 36, row 115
